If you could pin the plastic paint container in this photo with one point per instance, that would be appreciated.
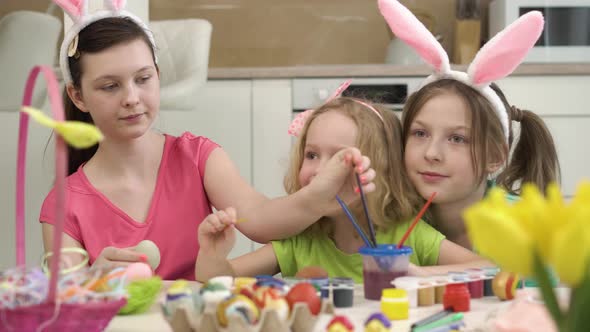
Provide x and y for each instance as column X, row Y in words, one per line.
column 425, row 294
column 410, row 285
column 342, row 292
column 475, row 286
column 489, row 274
column 457, row 297
column 381, row 265
column 323, row 284
column 394, row 303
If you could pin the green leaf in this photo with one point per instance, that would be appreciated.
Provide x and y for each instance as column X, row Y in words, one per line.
column 578, row 317
column 542, row 277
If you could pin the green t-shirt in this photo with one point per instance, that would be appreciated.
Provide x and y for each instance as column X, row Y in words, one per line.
column 318, row 249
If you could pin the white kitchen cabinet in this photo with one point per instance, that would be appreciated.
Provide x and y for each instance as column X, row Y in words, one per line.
column 562, row 103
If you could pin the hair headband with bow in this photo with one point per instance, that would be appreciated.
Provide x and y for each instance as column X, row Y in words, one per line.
column 497, row 58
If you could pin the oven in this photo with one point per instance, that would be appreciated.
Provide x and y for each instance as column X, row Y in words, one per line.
column 390, row 92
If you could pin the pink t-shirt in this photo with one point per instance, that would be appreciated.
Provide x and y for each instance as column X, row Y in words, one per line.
column 179, row 204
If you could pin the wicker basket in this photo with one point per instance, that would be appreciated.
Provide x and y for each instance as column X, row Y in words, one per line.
column 50, row 315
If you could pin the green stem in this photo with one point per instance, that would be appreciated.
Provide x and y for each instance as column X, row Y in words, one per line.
column 547, row 290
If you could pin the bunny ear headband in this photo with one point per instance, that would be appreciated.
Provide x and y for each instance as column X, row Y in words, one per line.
column 496, row 59
column 77, row 10
column 299, row 121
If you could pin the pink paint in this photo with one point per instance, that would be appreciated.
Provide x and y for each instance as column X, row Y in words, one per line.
column 375, row 281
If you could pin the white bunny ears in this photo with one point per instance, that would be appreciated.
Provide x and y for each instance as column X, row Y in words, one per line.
column 496, row 59
column 77, row 10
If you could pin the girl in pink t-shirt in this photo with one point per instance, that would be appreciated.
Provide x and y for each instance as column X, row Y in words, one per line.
column 139, row 184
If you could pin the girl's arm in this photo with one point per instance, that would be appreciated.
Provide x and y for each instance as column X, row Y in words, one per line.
column 270, row 219
column 452, row 257
column 216, row 239
column 66, row 242
column 109, row 256
column 260, row 262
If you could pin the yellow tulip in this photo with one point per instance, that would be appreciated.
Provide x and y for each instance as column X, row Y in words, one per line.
column 80, row 135
column 582, row 196
column 498, row 235
column 571, row 249
column 541, row 221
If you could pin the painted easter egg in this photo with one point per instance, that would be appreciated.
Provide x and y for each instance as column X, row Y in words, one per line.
column 278, row 284
column 237, row 306
column 377, row 322
column 271, row 298
column 340, row 324
column 307, row 293
column 504, row 285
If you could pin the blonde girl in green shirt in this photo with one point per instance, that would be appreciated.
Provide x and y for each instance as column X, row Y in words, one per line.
column 332, row 242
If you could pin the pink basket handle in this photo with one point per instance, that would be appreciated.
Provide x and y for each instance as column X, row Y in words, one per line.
column 60, row 173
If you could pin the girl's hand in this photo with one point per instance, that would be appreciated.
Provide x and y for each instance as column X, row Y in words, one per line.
column 115, row 257
column 338, row 178
column 216, row 233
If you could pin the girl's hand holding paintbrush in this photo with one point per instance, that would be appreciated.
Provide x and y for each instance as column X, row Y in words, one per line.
column 217, row 235
column 328, row 182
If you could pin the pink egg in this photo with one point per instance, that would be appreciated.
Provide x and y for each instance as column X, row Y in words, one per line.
column 138, row 271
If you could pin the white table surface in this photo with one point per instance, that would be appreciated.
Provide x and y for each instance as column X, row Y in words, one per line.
column 477, row 319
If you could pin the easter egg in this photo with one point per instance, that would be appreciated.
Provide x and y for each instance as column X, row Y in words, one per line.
column 138, row 271
column 306, row 293
column 243, row 282
column 377, row 322
column 150, row 249
column 309, row 272
column 226, row 281
column 340, row 324
column 504, row 285
column 237, row 305
column 271, row 298
column 275, row 283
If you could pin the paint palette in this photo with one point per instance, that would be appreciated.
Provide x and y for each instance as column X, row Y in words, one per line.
column 427, row 291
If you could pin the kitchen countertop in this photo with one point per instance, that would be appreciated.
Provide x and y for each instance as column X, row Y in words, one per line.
column 379, row 70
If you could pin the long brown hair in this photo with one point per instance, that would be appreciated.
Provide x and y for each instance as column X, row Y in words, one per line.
column 94, row 38
column 534, row 158
column 394, row 198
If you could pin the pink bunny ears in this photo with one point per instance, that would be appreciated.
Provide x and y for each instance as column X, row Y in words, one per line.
column 299, row 121
column 496, row 60
column 77, row 10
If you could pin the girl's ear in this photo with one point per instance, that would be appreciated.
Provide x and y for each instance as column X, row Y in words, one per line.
column 494, row 164
column 75, row 95
column 493, row 167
